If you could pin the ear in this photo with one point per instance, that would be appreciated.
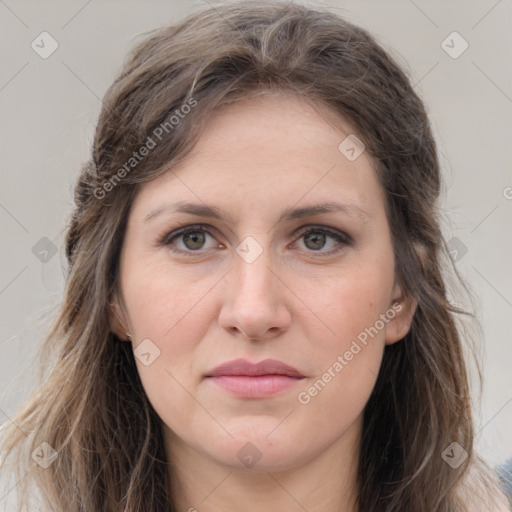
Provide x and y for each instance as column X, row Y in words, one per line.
column 117, row 319
column 404, row 307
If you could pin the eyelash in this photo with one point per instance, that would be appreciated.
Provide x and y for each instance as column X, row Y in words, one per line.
column 342, row 238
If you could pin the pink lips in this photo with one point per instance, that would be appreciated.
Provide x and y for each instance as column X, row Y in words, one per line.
column 255, row 380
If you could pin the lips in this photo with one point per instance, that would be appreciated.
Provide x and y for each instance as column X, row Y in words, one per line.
column 248, row 369
column 254, row 380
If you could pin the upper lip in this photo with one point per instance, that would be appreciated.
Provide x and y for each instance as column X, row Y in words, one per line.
column 265, row 367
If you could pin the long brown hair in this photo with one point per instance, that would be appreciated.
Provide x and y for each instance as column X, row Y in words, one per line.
column 91, row 407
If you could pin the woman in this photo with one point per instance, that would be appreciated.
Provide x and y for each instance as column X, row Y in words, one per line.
column 255, row 316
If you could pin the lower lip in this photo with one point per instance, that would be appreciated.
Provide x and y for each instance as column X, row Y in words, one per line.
column 255, row 386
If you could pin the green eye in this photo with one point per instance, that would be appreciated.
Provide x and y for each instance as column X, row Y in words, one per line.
column 316, row 239
column 190, row 239
column 194, row 239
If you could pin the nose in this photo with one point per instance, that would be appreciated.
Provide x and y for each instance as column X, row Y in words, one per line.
column 254, row 305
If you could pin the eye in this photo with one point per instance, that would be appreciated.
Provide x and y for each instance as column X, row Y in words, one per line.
column 196, row 239
column 323, row 240
column 190, row 239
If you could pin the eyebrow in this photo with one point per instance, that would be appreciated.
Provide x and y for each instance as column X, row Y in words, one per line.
column 289, row 214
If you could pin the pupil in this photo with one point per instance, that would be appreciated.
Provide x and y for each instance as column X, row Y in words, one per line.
column 194, row 240
column 317, row 239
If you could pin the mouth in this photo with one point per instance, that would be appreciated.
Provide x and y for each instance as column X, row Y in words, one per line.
column 255, row 380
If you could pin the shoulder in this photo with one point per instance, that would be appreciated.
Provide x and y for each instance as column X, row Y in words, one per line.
column 486, row 497
column 498, row 504
column 482, row 489
column 495, row 502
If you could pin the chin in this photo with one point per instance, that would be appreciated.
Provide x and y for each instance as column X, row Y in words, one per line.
column 258, row 448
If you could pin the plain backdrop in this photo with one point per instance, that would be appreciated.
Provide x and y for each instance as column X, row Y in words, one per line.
column 49, row 108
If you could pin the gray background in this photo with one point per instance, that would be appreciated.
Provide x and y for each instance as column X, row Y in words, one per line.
column 48, row 113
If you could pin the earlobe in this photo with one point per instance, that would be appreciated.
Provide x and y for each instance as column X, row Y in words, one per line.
column 399, row 325
column 118, row 321
column 404, row 304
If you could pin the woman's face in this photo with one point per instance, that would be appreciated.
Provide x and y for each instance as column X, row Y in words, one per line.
column 270, row 241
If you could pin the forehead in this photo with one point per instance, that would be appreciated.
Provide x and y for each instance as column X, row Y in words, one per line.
column 274, row 149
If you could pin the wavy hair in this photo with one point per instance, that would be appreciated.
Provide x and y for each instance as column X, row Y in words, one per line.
column 91, row 407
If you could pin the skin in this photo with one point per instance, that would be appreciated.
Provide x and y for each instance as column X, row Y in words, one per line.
column 301, row 305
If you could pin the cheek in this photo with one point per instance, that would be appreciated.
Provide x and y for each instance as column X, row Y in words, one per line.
column 171, row 310
column 348, row 351
column 347, row 305
column 348, row 364
column 162, row 302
